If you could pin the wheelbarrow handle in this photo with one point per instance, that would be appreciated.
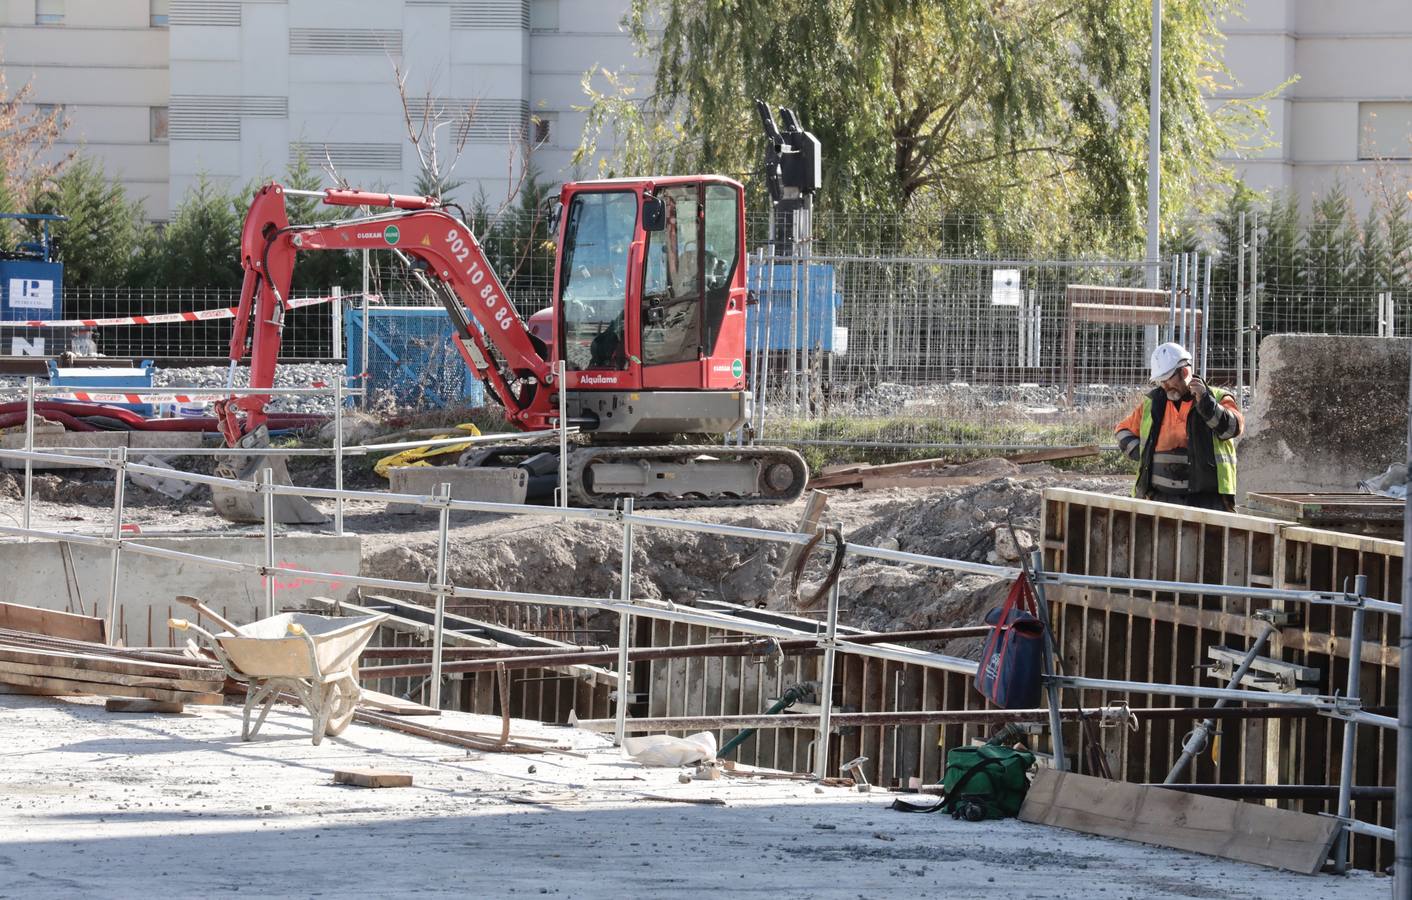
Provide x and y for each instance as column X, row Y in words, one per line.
column 196, row 604
column 210, row 641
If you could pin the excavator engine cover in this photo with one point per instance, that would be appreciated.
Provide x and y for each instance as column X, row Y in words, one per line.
column 248, row 507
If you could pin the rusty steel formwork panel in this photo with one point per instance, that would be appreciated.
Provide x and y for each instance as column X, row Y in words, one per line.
column 1163, row 637
column 741, row 685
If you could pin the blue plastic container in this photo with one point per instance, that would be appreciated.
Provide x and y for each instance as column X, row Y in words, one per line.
column 107, row 380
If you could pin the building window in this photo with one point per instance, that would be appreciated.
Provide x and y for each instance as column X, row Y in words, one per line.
column 159, row 13
column 157, row 132
column 49, row 12
column 542, row 128
column 1385, row 130
column 544, row 15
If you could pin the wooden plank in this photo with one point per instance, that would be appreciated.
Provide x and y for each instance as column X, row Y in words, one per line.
column 19, row 617
column 69, row 686
column 8, row 668
column 110, row 665
column 1229, row 829
column 394, row 706
column 1051, row 454
column 372, row 778
column 125, row 705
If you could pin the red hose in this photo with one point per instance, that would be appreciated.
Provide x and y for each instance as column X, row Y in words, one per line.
column 10, row 420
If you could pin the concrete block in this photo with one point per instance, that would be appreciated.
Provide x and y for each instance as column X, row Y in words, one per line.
column 1329, row 411
column 139, row 440
column 490, row 485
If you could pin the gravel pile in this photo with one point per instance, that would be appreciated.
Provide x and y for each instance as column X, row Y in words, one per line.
column 891, row 399
column 302, row 375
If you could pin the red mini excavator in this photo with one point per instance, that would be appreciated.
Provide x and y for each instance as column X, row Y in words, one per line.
column 648, row 315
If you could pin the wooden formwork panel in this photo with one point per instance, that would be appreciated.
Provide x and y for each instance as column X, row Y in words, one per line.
column 1164, row 637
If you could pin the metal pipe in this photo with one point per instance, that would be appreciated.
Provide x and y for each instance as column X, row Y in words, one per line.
column 907, row 718
column 1402, row 865
column 830, row 645
column 29, row 448
column 1350, row 727
column 267, row 478
column 1280, row 791
column 115, row 560
column 1254, row 300
column 1172, row 301
column 1196, row 741
column 1206, row 316
column 1154, row 144
column 363, row 378
column 1197, row 692
column 338, row 454
column 336, row 308
column 1240, row 308
column 1191, row 587
column 443, row 540
column 1051, row 688
column 624, row 626
column 563, row 424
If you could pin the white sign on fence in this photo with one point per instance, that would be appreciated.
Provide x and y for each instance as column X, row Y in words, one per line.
column 27, row 347
column 1005, row 289
column 31, row 293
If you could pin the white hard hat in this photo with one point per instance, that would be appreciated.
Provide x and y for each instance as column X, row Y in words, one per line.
column 1166, row 359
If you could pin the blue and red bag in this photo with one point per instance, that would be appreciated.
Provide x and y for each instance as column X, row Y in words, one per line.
column 1011, row 666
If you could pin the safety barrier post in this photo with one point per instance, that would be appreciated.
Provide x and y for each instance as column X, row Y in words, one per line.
column 830, row 646
column 443, row 539
column 1350, row 728
column 338, row 454
column 624, row 627
column 267, row 480
column 29, row 448
column 119, row 485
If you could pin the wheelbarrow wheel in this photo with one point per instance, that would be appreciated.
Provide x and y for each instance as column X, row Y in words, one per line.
column 345, row 704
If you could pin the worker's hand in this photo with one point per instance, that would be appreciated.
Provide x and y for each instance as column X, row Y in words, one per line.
column 1198, row 388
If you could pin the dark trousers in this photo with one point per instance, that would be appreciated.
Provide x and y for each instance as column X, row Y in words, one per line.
column 1212, row 500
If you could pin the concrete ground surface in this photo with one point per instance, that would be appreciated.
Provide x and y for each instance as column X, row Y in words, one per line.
column 102, row 804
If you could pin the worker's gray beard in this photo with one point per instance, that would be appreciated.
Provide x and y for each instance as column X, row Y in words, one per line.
column 1176, row 396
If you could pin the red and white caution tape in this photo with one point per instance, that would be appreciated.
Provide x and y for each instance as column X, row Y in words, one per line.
column 202, row 315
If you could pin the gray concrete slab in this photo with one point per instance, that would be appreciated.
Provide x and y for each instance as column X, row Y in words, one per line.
column 150, row 442
column 1329, row 411
column 490, row 485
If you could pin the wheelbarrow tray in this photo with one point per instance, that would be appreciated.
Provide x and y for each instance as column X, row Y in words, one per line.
column 265, row 649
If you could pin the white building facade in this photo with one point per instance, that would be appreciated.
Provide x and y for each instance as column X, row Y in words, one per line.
column 1348, row 116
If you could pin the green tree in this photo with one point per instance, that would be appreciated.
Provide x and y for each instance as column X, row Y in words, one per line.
column 200, row 247
column 932, row 107
column 101, row 238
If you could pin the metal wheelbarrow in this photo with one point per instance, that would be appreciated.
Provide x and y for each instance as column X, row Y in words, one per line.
column 313, row 657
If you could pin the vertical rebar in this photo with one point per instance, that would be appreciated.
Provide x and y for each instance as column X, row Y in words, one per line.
column 267, row 480
column 338, row 453
column 1350, row 728
column 115, row 561
column 443, row 540
column 1240, row 310
column 620, row 727
column 29, row 448
column 1051, row 688
column 830, row 645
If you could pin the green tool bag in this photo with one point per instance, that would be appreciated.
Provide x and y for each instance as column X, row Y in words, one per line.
column 985, row 782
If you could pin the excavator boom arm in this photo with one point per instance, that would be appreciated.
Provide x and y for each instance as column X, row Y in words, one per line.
column 446, row 253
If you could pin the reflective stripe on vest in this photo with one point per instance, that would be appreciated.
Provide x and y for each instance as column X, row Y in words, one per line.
column 1225, row 449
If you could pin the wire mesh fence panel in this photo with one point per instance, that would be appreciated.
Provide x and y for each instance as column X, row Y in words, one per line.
column 412, row 358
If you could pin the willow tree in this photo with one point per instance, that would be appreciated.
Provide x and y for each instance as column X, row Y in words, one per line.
column 1033, row 108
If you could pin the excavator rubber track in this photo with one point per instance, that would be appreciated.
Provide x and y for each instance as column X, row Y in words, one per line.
column 771, row 486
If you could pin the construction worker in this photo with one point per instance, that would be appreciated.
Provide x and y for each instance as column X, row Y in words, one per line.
column 1183, row 458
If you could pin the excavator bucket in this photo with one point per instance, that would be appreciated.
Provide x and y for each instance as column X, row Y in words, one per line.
column 247, row 507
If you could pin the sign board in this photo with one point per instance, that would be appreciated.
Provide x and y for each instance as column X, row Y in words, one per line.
column 1005, row 288
column 32, row 293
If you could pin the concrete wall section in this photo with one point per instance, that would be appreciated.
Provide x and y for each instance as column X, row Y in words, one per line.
column 1329, row 411
column 43, row 574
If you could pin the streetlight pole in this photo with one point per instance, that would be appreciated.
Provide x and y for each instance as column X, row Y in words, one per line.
column 1154, row 146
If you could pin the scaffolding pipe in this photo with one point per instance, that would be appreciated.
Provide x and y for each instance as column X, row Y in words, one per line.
column 338, row 454
column 830, row 644
column 1350, row 727
column 1402, row 865
column 119, row 495
column 267, row 478
column 29, row 448
column 443, row 541
column 1051, row 688
column 624, row 625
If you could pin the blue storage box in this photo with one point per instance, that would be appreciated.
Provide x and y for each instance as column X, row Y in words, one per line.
column 107, row 380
